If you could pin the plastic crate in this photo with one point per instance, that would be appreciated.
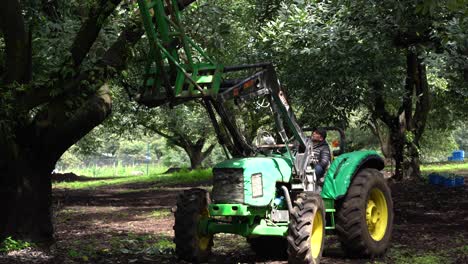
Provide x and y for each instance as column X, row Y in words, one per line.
column 458, row 154
column 449, row 182
column 454, row 181
column 436, row 179
column 459, row 181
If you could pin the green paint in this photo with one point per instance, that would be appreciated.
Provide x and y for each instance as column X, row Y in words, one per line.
column 235, row 210
column 329, row 204
column 270, row 230
column 341, row 171
column 164, row 58
column 205, row 79
column 273, row 170
column 243, row 227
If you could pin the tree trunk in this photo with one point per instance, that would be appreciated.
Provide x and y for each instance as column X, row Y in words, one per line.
column 196, row 158
column 27, row 159
column 384, row 139
column 407, row 127
column 196, row 155
column 40, row 125
column 397, row 142
column 26, row 198
column 412, row 163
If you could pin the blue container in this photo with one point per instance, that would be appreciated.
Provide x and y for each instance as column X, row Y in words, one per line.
column 450, row 158
column 435, row 179
column 459, row 181
column 458, row 154
column 449, row 182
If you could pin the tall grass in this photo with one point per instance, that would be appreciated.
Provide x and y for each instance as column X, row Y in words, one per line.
column 105, row 176
column 445, row 167
column 117, row 171
column 181, row 177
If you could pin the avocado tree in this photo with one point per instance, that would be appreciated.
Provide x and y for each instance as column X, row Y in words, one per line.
column 57, row 59
column 185, row 126
column 381, row 57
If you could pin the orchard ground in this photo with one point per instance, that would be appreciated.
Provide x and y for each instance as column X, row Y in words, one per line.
column 130, row 221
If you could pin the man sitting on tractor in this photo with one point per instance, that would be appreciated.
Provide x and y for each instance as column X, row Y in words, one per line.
column 321, row 157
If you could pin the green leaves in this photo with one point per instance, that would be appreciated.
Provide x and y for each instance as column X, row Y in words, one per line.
column 10, row 244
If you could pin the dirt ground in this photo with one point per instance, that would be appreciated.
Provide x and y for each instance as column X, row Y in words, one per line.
column 133, row 224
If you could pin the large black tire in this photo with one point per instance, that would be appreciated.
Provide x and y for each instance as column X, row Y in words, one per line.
column 192, row 206
column 306, row 233
column 365, row 215
column 269, row 246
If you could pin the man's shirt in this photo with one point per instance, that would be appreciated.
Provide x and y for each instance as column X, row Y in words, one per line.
column 321, row 155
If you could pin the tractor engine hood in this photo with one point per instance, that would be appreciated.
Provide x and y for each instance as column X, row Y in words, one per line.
column 250, row 181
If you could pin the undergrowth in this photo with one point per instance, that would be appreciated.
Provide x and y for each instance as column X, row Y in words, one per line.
column 10, row 244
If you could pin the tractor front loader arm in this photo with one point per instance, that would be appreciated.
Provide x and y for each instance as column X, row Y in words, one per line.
column 265, row 82
column 183, row 72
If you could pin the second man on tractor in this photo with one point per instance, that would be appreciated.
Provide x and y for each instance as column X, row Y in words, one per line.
column 321, row 158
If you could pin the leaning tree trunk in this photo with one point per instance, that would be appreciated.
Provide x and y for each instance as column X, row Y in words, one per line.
column 26, row 198
column 37, row 123
column 28, row 159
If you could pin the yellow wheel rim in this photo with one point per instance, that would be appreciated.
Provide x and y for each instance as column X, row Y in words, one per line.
column 377, row 214
column 317, row 235
column 204, row 241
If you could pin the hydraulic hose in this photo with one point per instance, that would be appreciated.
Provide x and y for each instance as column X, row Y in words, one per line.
column 288, row 199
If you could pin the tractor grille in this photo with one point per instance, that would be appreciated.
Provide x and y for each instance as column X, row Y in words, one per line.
column 228, row 186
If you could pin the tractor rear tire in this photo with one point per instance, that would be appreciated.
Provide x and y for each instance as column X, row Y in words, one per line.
column 306, row 233
column 365, row 215
column 269, row 246
column 192, row 206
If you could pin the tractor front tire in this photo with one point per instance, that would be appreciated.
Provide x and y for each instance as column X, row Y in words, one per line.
column 191, row 245
column 365, row 215
column 306, row 233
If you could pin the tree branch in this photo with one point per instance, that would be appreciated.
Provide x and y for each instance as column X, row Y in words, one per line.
column 90, row 29
column 410, row 82
column 92, row 113
column 173, row 139
column 113, row 61
column 423, row 102
column 16, row 41
column 200, row 141
column 407, row 39
column 50, row 8
column 208, row 151
column 379, row 104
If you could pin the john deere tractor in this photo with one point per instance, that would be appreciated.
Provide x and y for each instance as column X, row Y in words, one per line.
column 266, row 189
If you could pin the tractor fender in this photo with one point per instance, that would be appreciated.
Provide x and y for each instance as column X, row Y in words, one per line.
column 344, row 168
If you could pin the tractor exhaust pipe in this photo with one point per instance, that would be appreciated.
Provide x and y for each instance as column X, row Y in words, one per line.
column 288, row 199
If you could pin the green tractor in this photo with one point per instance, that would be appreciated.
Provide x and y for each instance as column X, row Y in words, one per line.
column 266, row 192
column 262, row 199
